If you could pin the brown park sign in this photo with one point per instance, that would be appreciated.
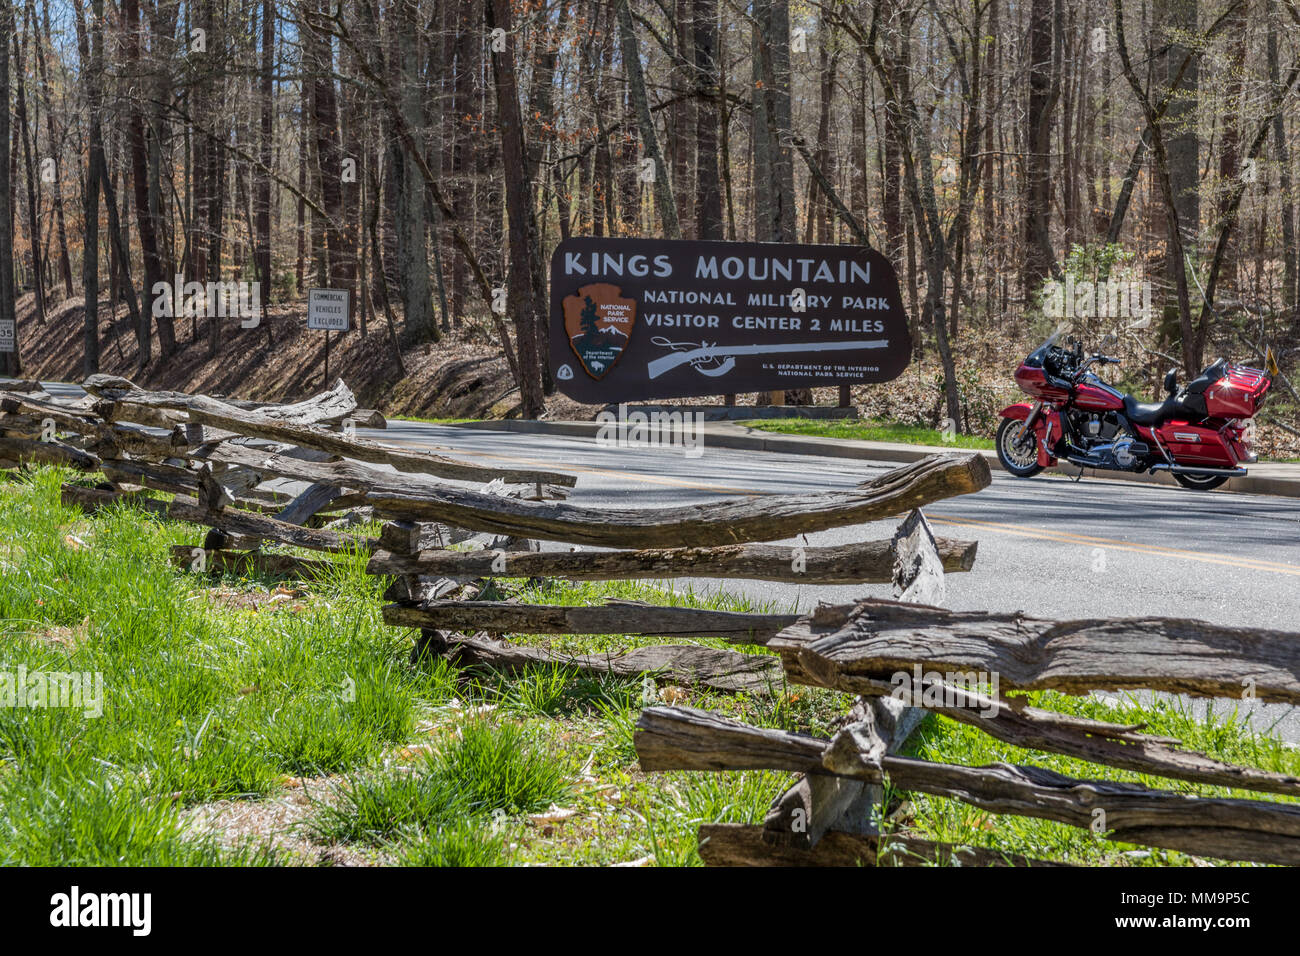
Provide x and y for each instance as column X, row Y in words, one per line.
column 635, row 319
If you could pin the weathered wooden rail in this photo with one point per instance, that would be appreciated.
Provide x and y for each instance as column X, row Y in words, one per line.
column 864, row 648
column 442, row 541
column 444, row 545
column 216, row 458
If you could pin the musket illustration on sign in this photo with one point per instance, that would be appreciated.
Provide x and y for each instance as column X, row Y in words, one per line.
column 666, row 363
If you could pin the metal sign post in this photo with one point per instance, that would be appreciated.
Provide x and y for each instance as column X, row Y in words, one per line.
column 328, row 309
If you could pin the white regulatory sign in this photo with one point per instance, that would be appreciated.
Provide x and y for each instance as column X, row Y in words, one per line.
column 327, row 309
column 7, row 335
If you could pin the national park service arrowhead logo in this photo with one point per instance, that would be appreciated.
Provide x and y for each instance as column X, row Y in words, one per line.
column 599, row 323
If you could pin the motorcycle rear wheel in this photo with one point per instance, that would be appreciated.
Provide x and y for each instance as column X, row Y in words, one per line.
column 1200, row 482
column 1017, row 452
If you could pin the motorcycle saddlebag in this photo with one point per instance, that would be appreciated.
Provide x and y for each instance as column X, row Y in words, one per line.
column 1195, row 445
column 1238, row 394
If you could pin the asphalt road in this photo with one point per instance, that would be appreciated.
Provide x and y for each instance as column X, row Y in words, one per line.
column 1048, row 546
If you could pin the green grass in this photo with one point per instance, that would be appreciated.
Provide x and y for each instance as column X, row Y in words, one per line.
column 202, row 700
column 1225, row 736
column 415, row 764
column 460, row 843
column 869, row 431
column 432, row 421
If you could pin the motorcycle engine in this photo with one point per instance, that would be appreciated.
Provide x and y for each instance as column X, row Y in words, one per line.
column 1104, row 445
column 1123, row 454
column 1093, row 427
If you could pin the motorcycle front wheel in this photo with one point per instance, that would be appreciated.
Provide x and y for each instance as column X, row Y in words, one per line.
column 1017, row 451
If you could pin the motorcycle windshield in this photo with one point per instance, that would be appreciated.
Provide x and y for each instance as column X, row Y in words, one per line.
column 1038, row 355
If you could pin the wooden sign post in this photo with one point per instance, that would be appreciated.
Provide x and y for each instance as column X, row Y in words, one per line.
column 637, row 319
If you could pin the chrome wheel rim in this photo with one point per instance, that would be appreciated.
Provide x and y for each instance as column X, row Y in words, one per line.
column 1018, row 448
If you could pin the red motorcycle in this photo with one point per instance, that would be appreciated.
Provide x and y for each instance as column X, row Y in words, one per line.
column 1200, row 433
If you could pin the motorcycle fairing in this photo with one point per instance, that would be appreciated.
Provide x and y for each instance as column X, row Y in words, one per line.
column 1046, row 426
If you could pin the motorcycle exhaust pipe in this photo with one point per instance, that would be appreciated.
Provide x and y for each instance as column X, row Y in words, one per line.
column 1085, row 462
column 1200, row 472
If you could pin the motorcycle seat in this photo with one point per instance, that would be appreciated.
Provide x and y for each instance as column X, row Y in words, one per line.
column 1208, row 377
column 1151, row 413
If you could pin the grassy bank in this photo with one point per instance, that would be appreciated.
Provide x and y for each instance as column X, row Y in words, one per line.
column 255, row 721
column 870, row 431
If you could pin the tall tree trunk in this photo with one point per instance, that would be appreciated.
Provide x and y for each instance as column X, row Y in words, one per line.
column 10, row 363
column 990, row 237
column 91, row 49
column 145, row 223
column 891, row 189
column 341, row 269
column 819, row 212
column 1174, row 20
column 201, row 109
column 774, row 160
column 120, row 252
column 860, row 196
column 262, row 174
column 682, row 117
column 412, row 225
column 33, row 214
column 1234, row 108
column 1044, row 90
column 300, row 267
column 663, row 190
column 708, row 180
column 542, row 106
column 523, row 305
column 65, row 261
column 1282, row 154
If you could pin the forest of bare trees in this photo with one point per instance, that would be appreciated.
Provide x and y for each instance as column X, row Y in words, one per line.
column 425, row 154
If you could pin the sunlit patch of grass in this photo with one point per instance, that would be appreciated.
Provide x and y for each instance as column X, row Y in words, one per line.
column 682, row 802
column 464, row 842
column 381, row 807
column 477, row 778
column 501, row 767
column 67, row 820
column 1225, row 736
column 870, row 431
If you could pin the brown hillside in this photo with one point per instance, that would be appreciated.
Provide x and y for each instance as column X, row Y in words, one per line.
column 463, row 376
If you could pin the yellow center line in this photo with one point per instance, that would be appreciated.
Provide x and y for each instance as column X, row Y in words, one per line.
column 1250, row 564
